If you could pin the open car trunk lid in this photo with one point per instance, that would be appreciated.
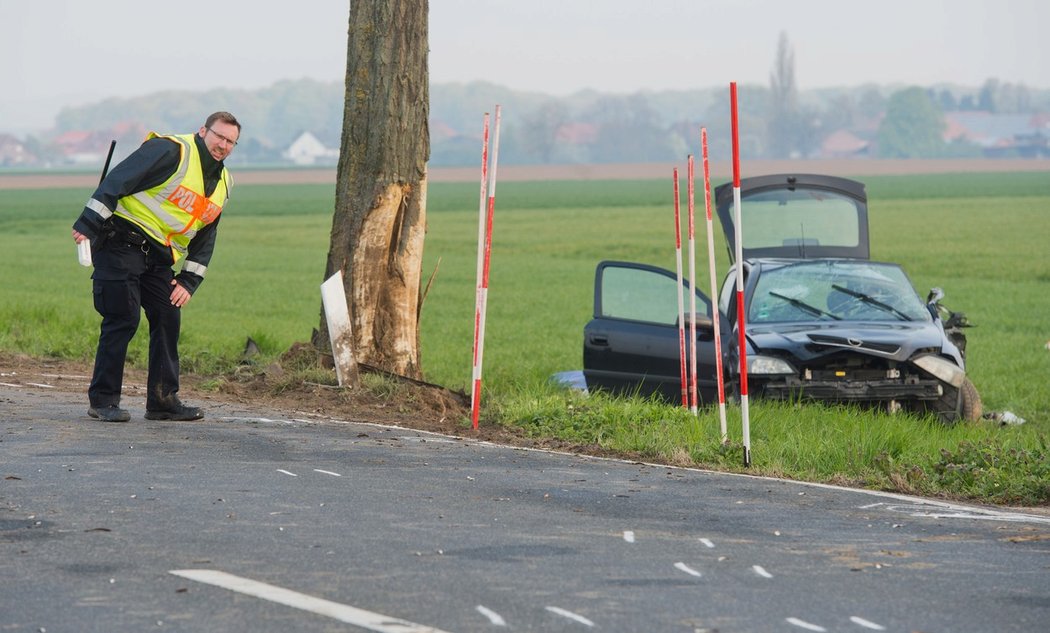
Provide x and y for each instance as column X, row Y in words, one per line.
column 796, row 216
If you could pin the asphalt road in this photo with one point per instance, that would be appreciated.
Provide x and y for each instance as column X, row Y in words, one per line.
column 254, row 521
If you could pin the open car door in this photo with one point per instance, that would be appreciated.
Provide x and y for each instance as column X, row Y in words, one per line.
column 631, row 344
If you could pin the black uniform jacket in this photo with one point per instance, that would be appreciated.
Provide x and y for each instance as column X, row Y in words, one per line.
column 148, row 166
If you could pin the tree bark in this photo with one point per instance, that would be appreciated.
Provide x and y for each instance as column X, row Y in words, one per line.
column 379, row 222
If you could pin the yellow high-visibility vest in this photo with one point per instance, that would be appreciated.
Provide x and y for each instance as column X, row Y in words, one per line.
column 172, row 212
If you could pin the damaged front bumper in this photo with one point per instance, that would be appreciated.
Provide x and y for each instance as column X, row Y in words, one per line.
column 792, row 388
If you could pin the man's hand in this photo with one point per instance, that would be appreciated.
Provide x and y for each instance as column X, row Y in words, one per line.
column 78, row 237
column 179, row 295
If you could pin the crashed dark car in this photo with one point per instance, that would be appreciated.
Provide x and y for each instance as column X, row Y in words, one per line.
column 823, row 321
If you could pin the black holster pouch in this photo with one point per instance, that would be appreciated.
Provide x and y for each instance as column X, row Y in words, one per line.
column 126, row 233
column 105, row 235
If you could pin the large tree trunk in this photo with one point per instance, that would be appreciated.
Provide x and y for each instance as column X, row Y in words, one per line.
column 380, row 207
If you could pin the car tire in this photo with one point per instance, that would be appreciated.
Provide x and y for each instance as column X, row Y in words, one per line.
column 970, row 406
column 957, row 405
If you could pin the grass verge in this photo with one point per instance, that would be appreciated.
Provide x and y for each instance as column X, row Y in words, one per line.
column 979, row 236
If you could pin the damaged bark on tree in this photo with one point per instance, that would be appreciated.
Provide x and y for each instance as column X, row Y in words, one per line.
column 379, row 222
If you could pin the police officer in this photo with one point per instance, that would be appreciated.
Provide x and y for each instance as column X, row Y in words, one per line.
column 159, row 206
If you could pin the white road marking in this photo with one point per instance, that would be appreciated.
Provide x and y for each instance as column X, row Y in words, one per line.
column 493, row 617
column 870, row 505
column 428, row 440
column 805, row 625
column 761, row 571
column 281, row 470
column 326, row 472
column 970, row 515
column 40, row 384
column 254, row 420
column 628, row 536
column 932, row 509
column 707, row 542
column 687, row 569
column 868, row 624
column 341, row 612
column 7, row 384
column 570, row 615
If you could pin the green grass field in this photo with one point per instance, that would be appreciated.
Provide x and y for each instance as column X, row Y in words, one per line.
column 980, row 237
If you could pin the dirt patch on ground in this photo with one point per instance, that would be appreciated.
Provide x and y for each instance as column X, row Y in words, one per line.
column 272, row 390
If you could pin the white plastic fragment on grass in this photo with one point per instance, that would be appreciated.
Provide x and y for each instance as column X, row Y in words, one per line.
column 1005, row 418
column 1010, row 418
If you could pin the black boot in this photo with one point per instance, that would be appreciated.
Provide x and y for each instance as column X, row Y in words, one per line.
column 177, row 411
column 111, row 413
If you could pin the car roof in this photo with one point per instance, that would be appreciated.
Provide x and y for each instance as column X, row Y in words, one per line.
column 796, row 216
column 777, row 262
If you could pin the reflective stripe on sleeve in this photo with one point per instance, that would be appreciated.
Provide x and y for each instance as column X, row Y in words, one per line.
column 99, row 208
column 195, row 268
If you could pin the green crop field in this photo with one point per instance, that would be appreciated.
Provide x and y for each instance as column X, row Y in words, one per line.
column 980, row 237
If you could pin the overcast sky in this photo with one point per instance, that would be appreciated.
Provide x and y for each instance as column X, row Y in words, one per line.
column 55, row 53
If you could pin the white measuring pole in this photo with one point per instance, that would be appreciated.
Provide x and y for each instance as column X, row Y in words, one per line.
column 693, row 396
column 475, row 378
column 681, row 307
column 740, row 316
column 484, row 255
column 714, row 287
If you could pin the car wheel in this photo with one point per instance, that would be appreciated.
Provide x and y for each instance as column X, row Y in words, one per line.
column 970, row 406
column 963, row 404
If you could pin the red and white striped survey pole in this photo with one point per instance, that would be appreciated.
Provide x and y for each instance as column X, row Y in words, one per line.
column 681, row 306
column 740, row 317
column 485, row 213
column 693, row 397
column 714, row 287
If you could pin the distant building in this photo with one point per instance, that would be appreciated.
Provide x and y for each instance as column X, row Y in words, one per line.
column 1000, row 135
column 13, row 152
column 308, row 150
column 844, row 144
column 82, row 147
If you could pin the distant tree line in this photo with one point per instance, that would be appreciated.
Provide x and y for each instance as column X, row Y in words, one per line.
column 778, row 120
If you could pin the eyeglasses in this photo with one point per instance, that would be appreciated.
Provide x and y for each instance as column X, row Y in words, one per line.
column 231, row 142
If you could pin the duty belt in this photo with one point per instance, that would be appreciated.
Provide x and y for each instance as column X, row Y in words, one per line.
column 123, row 233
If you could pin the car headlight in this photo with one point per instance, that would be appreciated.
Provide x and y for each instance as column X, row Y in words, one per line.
column 768, row 365
column 943, row 370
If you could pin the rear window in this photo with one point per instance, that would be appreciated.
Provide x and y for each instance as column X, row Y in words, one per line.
column 803, row 217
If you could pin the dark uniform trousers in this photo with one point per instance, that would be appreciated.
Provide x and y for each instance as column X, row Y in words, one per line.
column 134, row 275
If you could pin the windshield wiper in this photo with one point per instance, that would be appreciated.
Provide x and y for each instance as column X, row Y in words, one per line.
column 805, row 307
column 885, row 307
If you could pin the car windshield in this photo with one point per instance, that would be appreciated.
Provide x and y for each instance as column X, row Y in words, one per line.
column 835, row 290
